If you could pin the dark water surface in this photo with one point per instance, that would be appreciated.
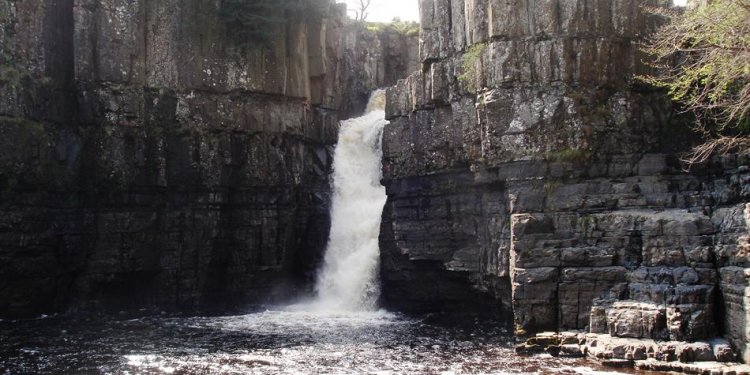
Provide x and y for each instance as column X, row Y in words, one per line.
column 271, row 342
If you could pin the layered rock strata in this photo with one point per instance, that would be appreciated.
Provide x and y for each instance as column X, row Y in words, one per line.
column 148, row 161
column 700, row 357
column 530, row 174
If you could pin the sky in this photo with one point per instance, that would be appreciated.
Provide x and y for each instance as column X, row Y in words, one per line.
column 385, row 10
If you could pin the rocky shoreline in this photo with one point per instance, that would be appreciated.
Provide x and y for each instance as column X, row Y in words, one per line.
column 713, row 357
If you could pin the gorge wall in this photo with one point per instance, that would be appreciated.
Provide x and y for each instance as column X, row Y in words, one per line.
column 530, row 176
column 149, row 162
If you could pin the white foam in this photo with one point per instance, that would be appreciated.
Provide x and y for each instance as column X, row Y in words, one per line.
column 348, row 280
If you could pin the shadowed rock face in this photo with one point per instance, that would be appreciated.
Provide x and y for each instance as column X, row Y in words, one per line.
column 148, row 161
column 528, row 172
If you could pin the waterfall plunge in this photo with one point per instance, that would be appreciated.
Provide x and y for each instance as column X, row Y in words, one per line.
column 348, row 280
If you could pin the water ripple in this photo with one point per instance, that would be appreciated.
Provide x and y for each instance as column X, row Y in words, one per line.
column 270, row 342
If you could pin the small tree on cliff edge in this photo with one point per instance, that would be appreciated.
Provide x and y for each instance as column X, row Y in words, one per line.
column 702, row 57
column 361, row 9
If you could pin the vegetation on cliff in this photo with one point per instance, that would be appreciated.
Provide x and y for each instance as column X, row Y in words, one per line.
column 361, row 9
column 471, row 58
column 408, row 28
column 702, row 57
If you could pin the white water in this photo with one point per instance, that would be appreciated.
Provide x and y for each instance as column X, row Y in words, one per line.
column 348, row 280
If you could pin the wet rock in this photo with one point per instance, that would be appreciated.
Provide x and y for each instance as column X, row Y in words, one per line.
column 722, row 350
column 694, row 352
column 657, row 355
column 617, row 363
column 598, row 318
column 525, row 349
column 693, row 368
column 637, row 320
column 608, row 347
column 545, row 339
column 571, row 350
column 570, row 337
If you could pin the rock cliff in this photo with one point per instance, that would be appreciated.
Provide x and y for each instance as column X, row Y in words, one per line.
column 529, row 175
column 148, row 161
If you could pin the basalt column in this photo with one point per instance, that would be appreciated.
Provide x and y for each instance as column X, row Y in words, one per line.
column 152, row 159
column 529, row 173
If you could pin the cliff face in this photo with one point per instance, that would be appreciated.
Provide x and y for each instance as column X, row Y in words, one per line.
column 528, row 174
column 148, row 161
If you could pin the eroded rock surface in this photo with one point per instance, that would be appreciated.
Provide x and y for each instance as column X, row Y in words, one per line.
column 148, row 161
column 529, row 173
column 701, row 357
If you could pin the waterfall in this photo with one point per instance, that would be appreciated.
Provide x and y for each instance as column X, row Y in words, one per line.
column 348, row 279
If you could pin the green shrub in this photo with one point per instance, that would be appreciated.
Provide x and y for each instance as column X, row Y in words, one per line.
column 469, row 65
column 10, row 75
column 375, row 27
column 702, row 59
column 408, row 28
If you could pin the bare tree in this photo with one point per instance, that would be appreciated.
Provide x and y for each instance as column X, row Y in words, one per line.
column 361, row 9
column 702, row 58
